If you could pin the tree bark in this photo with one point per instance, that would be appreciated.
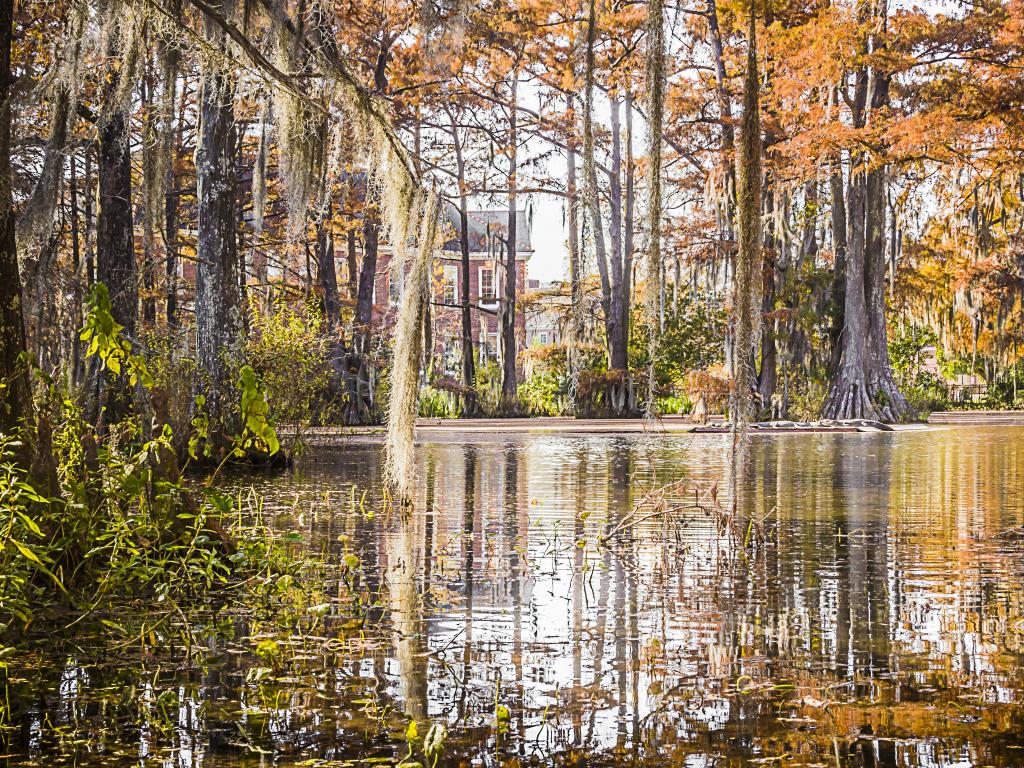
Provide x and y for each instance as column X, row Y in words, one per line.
column 218, row 300
column 592, row 194
column 326, row 272
column 617, row 323
column 367, row 277
column 629, row 212
column 656, row 118
column 15, row 390
column 575, row 278
column 748, row 274
column 862, row 385
column 767, row 377
column 174, row 139
column 470, row 406
column 115, row 246
column 508, row 306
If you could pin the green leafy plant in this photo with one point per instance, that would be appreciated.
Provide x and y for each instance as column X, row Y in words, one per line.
column 287, row 351
column 102, row 334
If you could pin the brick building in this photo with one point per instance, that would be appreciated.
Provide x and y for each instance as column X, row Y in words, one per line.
column 487, row 236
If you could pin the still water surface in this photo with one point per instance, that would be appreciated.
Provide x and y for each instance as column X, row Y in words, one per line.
column 874, row 617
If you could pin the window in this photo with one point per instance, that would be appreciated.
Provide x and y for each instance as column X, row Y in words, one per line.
column 450, row 284
column 487, row 283
column 394, row 286
column 544, row 337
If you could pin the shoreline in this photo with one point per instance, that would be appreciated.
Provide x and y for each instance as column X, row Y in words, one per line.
column 666, row 425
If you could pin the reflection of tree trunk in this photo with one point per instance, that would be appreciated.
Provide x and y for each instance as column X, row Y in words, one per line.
column 407, row 621
column 468, row 527
column 618, row 500
column 511, row 514
column 575, row 710
column 863, row 477
column 620, row 664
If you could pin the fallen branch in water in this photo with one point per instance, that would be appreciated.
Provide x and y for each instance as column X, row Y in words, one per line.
column 655, row 503
column 667, row 500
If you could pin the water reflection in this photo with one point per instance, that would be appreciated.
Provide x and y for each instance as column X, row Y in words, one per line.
column 875, row 619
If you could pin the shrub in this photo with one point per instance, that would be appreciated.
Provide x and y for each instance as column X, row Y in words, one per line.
column 542, row 393
column 439, row 403
column 287, row 349
column 488, row 388
column 806, row 398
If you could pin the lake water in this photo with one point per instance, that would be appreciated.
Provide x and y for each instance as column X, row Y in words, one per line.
column 860, row 604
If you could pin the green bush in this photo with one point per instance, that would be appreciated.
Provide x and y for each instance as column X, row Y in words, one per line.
column 488, row 388
column 437, row 403
column 542, row 393
column 109, row 515
column 806, row 398
column 287, row 349
column 675, row 404
column 693, row 340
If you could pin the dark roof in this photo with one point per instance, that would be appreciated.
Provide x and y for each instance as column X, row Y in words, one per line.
column 480, row 222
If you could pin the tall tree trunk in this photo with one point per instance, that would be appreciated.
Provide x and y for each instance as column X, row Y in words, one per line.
column 508, row 306
column 725, row 107
column 893, row 406
column 748, row 276
column 839, row 249
column 15, row 391
column 617, row 309
column 75, row 372
column 218, row 300
column 848, row 395
column 629, row 203
column 862, row 385
column 351, row 266
column 656, row 117
column 367, row 277
column 150, row 211
column 575, row 278
column 115, row 244
column 171, row 247
column 327, row 277
column 470, row 406
column 767, row 377
column 326, row 272
column 172, row 135
column 592, row 194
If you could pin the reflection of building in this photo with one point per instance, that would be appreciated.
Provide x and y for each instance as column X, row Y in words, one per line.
column 487, row 249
